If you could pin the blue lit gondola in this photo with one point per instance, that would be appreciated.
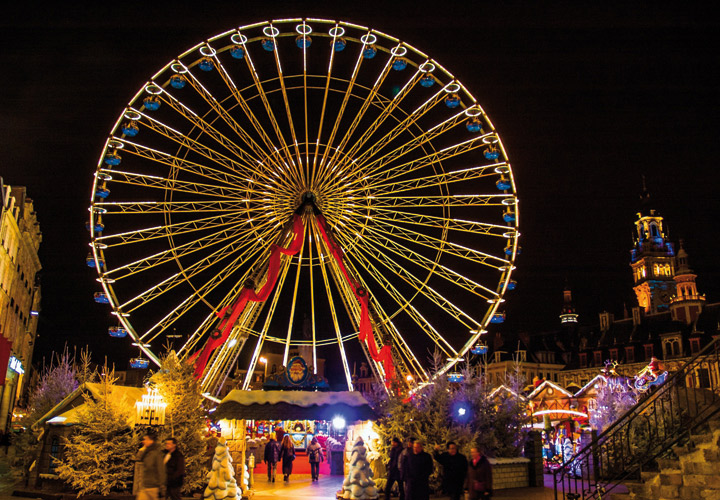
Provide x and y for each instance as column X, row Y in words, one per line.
column 268, row 44
column 206, row 64
column 113, row 159
column 152, row 103
column 117, row 331
column 479, row 349
column 491, row 154
column 512, row 285
column 503, row 184
column 369, row 52
column 399, row 64
column 509, row 250
column 99, row 227
column 101, row 298
column 498, row 318
column 427, row 80
column 130, row 129
column 102, row 193
column 474, row 125
column 509, row 215
column 177, row 81
column 455, row 377
column 237, row 52
column 339, row 45
column 452, row 101
column 90, row 261
column 139, row 363
column 303, row 41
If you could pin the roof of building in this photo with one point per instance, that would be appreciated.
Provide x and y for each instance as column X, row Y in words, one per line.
column 294, row 405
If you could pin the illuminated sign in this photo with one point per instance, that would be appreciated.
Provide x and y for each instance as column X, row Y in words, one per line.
column 16, row 365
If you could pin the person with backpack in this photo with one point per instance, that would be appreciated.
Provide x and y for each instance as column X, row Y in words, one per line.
column 315, row 456
column 271, row 457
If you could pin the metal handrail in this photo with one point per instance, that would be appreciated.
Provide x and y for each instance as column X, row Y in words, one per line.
column 647, row 430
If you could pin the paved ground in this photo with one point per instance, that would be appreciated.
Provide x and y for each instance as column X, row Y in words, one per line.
column 303, row 489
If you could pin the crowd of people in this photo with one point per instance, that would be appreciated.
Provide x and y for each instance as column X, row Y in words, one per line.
column 159, row 474
column 410, row 467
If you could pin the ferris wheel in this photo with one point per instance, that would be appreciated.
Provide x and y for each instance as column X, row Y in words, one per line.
column 304, row 184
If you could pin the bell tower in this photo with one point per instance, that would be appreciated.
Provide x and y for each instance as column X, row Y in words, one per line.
column 687, row 303
column 652, row 260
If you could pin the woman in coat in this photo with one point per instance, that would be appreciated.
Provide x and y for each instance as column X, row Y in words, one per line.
column 479, row 476
column 315, row 456
column 287, row 454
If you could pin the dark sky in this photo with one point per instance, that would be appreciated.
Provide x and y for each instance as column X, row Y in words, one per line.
column 586, row 98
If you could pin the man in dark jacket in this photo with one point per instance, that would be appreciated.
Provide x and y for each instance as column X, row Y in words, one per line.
column 393, row 470
column 479, row 477
column 455, row 467
column 417, row 467
column 174, row 469
column 153, row 469
column 271, row 457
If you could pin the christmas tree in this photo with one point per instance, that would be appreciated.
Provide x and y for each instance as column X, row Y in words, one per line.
column 221, row 478
column 184, row 420
column 98, row 456
column 358, row 484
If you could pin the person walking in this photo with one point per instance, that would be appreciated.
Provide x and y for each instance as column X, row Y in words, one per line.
column 153, row 469
column 174, row 469
column 271, row 457
column 401, row 462
column 455, row 467
column 315, row 456
column 479, row 476
column 417, row 467
column 287, row 454
column 393, row 469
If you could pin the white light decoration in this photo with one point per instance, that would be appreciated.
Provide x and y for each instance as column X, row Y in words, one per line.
column 338, row 423
column 151, row 409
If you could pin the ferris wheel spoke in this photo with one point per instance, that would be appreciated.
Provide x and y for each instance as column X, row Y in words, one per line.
column 405, row 304
column 438, row 245
column 416, row 142
column 449, row 201
column 198, row 296
column 322, row 170
column 175, row 207
column 175, row 253
column 164, row 183
column 266, row 326
column 198, row 122
column 401, row 127
column 270, row 114
column 244, row 165
column 430, row 181
column 384, row 170
column 176, row 229
column 435, row 222
column 440, row 270
column 326, row 256
column 294, row 298
column 373, row 253
column 386, row 112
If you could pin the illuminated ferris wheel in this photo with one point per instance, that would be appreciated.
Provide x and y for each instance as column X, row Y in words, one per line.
column 304, row 184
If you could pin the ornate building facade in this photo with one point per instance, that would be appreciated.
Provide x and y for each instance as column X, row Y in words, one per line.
column 19, row 294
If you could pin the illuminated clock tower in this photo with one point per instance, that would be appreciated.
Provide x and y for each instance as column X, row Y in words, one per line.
column 652, row 260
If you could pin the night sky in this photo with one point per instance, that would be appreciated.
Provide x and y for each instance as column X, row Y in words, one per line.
column 586, row 99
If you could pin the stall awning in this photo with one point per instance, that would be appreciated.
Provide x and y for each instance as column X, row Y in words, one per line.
column 294, row 405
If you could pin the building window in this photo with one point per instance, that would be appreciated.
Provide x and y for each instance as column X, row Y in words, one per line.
column 54, row 454
column 597, row 358
column 614, row 354
column 694, row 346
column 583, row 359
column 629, row 354
column 703, row 378
column 648, row 352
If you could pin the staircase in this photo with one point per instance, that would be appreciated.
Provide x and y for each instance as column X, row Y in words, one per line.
column 672, row 429
column 691, row 474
